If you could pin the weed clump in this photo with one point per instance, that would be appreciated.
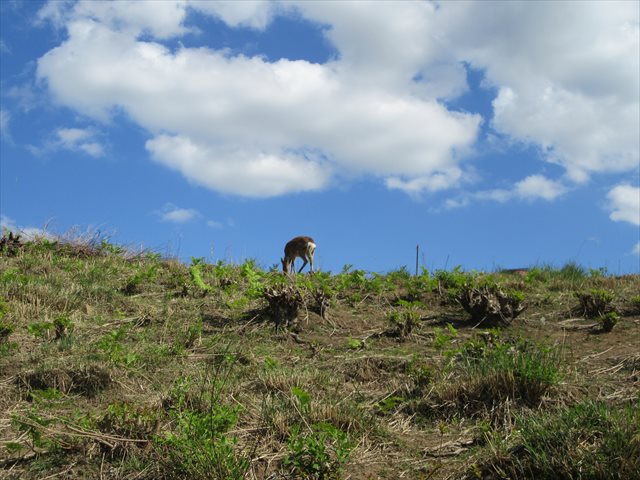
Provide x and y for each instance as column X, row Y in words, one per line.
column 195, row 271
column 10, row 244
column 490, row 305
column 128, row 426
column 319, row 453
column 402, row 319
column 490, row 373
column 608, row 321
column 598, row 304
column 284, row 301
column 595, row 303
column 588, row 440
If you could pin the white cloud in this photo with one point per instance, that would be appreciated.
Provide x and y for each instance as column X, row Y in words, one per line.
column 538, row 186
column 5, row 117
column 251, row 172
column 4, row 48
column 249, row 127
column 567, row 74
column 78, row 139
column 431, row 183
column 72, row 139
column 214, row 224
column 25, row 96
column 72, row 136
column 173, row 214
column 624, row 201
column 27, row 233
column 248, row 13
column 133, row 17
column 533, row 187
column 636, row 249
column 390, row 45
column 7, row 223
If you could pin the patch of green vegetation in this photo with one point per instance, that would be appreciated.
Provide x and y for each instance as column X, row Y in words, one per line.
column 403, row 318
column 608, row 321
column 355, row 343
column 532, row 367
column 195, row 270
column 590, row 440
column 112, row 344
column 199, row 444
column 595, row 303
column 490, row 370
column 254, row 277
column 442, row 338
column 40, row 329
column 144, row 275
column 319, row 452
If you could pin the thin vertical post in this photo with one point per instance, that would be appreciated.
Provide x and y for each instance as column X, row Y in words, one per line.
column 417, row 254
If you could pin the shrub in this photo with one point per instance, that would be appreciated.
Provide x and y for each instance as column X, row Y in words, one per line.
column 488, row 303
column 495, row 370
column 199, row 444
column 10, row 244
column 442, row 339
column 350, row 279
column 40, row 329
column 319, row 453
column 111, row 344
column 572, row 272
column 536, row 275
column 62, row 326
column 402, row 319
column 253, row 276
column 452, row 281
column 322, row 293
column 130, row 420
column 595, row 303
column 284, row 301
column 608, row 321
column 6, row 328
column 4, row 308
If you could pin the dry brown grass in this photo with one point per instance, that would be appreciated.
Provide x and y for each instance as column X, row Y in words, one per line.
column 149, row 363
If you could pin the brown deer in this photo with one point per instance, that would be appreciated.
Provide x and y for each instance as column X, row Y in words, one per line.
column 303, row 247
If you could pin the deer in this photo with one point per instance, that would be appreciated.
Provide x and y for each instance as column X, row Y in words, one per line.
column 302, row 247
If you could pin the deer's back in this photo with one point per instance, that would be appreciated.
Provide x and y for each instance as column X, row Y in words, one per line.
column 297, row 244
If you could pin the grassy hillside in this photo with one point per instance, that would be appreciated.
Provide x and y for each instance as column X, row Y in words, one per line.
column 129, row 366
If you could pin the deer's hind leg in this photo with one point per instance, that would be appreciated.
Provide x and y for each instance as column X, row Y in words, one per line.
column 304, row 259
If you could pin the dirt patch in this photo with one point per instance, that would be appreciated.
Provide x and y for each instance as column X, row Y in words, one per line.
column 86, row 381
column 368, row 369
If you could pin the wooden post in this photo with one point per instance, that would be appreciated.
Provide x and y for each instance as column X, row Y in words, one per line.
column 417, row 253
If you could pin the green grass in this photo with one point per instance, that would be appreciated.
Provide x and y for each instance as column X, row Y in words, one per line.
column 589, row 440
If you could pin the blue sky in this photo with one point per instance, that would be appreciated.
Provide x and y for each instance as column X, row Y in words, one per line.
column 494, row 135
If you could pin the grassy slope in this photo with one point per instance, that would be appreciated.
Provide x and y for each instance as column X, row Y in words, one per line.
column 120, row 366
